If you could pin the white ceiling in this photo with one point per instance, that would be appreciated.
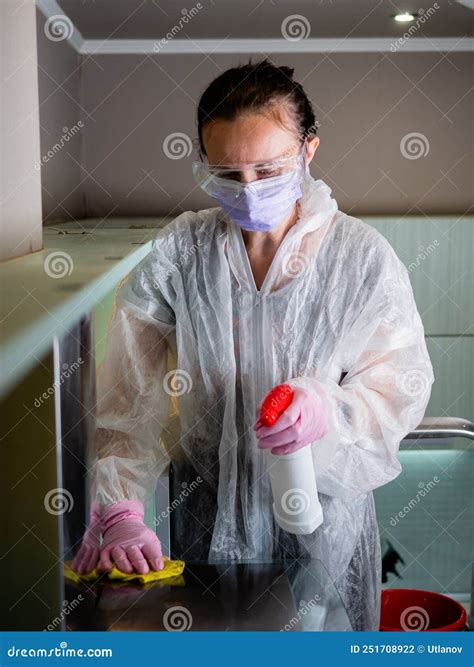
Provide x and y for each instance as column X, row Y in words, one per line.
column 116, row 26
column 260, row 19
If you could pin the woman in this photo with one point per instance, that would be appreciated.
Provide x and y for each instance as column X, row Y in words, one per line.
column 274, row 285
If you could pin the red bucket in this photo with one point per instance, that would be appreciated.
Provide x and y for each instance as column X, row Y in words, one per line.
column 408, row 610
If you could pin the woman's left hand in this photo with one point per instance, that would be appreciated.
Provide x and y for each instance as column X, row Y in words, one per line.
column 304, row 421
column 87, row 557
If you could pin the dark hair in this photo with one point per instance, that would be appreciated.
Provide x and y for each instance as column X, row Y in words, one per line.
column 256, row 86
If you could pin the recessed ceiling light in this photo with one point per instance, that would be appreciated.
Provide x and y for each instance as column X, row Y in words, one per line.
column 405, row 17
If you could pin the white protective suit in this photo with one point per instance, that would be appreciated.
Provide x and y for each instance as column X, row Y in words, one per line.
column 336, row 308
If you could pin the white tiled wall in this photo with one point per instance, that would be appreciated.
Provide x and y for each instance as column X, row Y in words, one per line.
column 435, row 536
column 438, row 252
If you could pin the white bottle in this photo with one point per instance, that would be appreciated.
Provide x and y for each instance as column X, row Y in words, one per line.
column 296, row 505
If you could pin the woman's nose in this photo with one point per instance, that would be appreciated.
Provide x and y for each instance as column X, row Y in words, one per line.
column 247, row 176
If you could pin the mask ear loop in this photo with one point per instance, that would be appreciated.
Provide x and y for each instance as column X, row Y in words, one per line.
column 306, row 171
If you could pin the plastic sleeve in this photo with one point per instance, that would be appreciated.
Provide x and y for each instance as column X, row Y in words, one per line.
column 383, row 395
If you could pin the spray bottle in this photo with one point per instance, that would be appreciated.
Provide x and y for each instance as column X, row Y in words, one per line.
column 296, row 505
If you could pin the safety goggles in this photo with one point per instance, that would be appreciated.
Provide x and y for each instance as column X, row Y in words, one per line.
column 237, row 176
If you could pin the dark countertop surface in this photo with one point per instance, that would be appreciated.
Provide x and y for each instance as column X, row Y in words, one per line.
column 293, row 596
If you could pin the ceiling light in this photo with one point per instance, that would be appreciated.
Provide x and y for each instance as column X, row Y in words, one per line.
column 405, row 17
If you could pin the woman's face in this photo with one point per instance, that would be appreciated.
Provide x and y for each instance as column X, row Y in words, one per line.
column 252, row 138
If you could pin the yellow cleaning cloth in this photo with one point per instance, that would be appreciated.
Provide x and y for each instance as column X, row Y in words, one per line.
column 172, row 568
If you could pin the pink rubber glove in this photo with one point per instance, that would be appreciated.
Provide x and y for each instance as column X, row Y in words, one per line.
column 127, row 542
column 87, row 557
column 304, row 421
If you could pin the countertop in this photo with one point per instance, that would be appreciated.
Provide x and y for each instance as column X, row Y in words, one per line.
column 294, row 596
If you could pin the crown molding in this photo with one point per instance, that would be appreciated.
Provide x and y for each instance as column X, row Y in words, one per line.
column 467, row 3
column 328, row 46
column 50, row 8
column 160, row 46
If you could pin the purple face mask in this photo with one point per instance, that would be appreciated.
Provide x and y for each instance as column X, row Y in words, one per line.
column 261, row 205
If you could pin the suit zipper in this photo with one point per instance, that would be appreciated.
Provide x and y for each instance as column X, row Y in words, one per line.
column 258, row 352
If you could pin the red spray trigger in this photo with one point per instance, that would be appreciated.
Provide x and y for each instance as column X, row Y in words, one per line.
column 275, row 403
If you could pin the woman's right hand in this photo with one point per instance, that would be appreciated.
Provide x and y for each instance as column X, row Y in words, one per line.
column 127, row 542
